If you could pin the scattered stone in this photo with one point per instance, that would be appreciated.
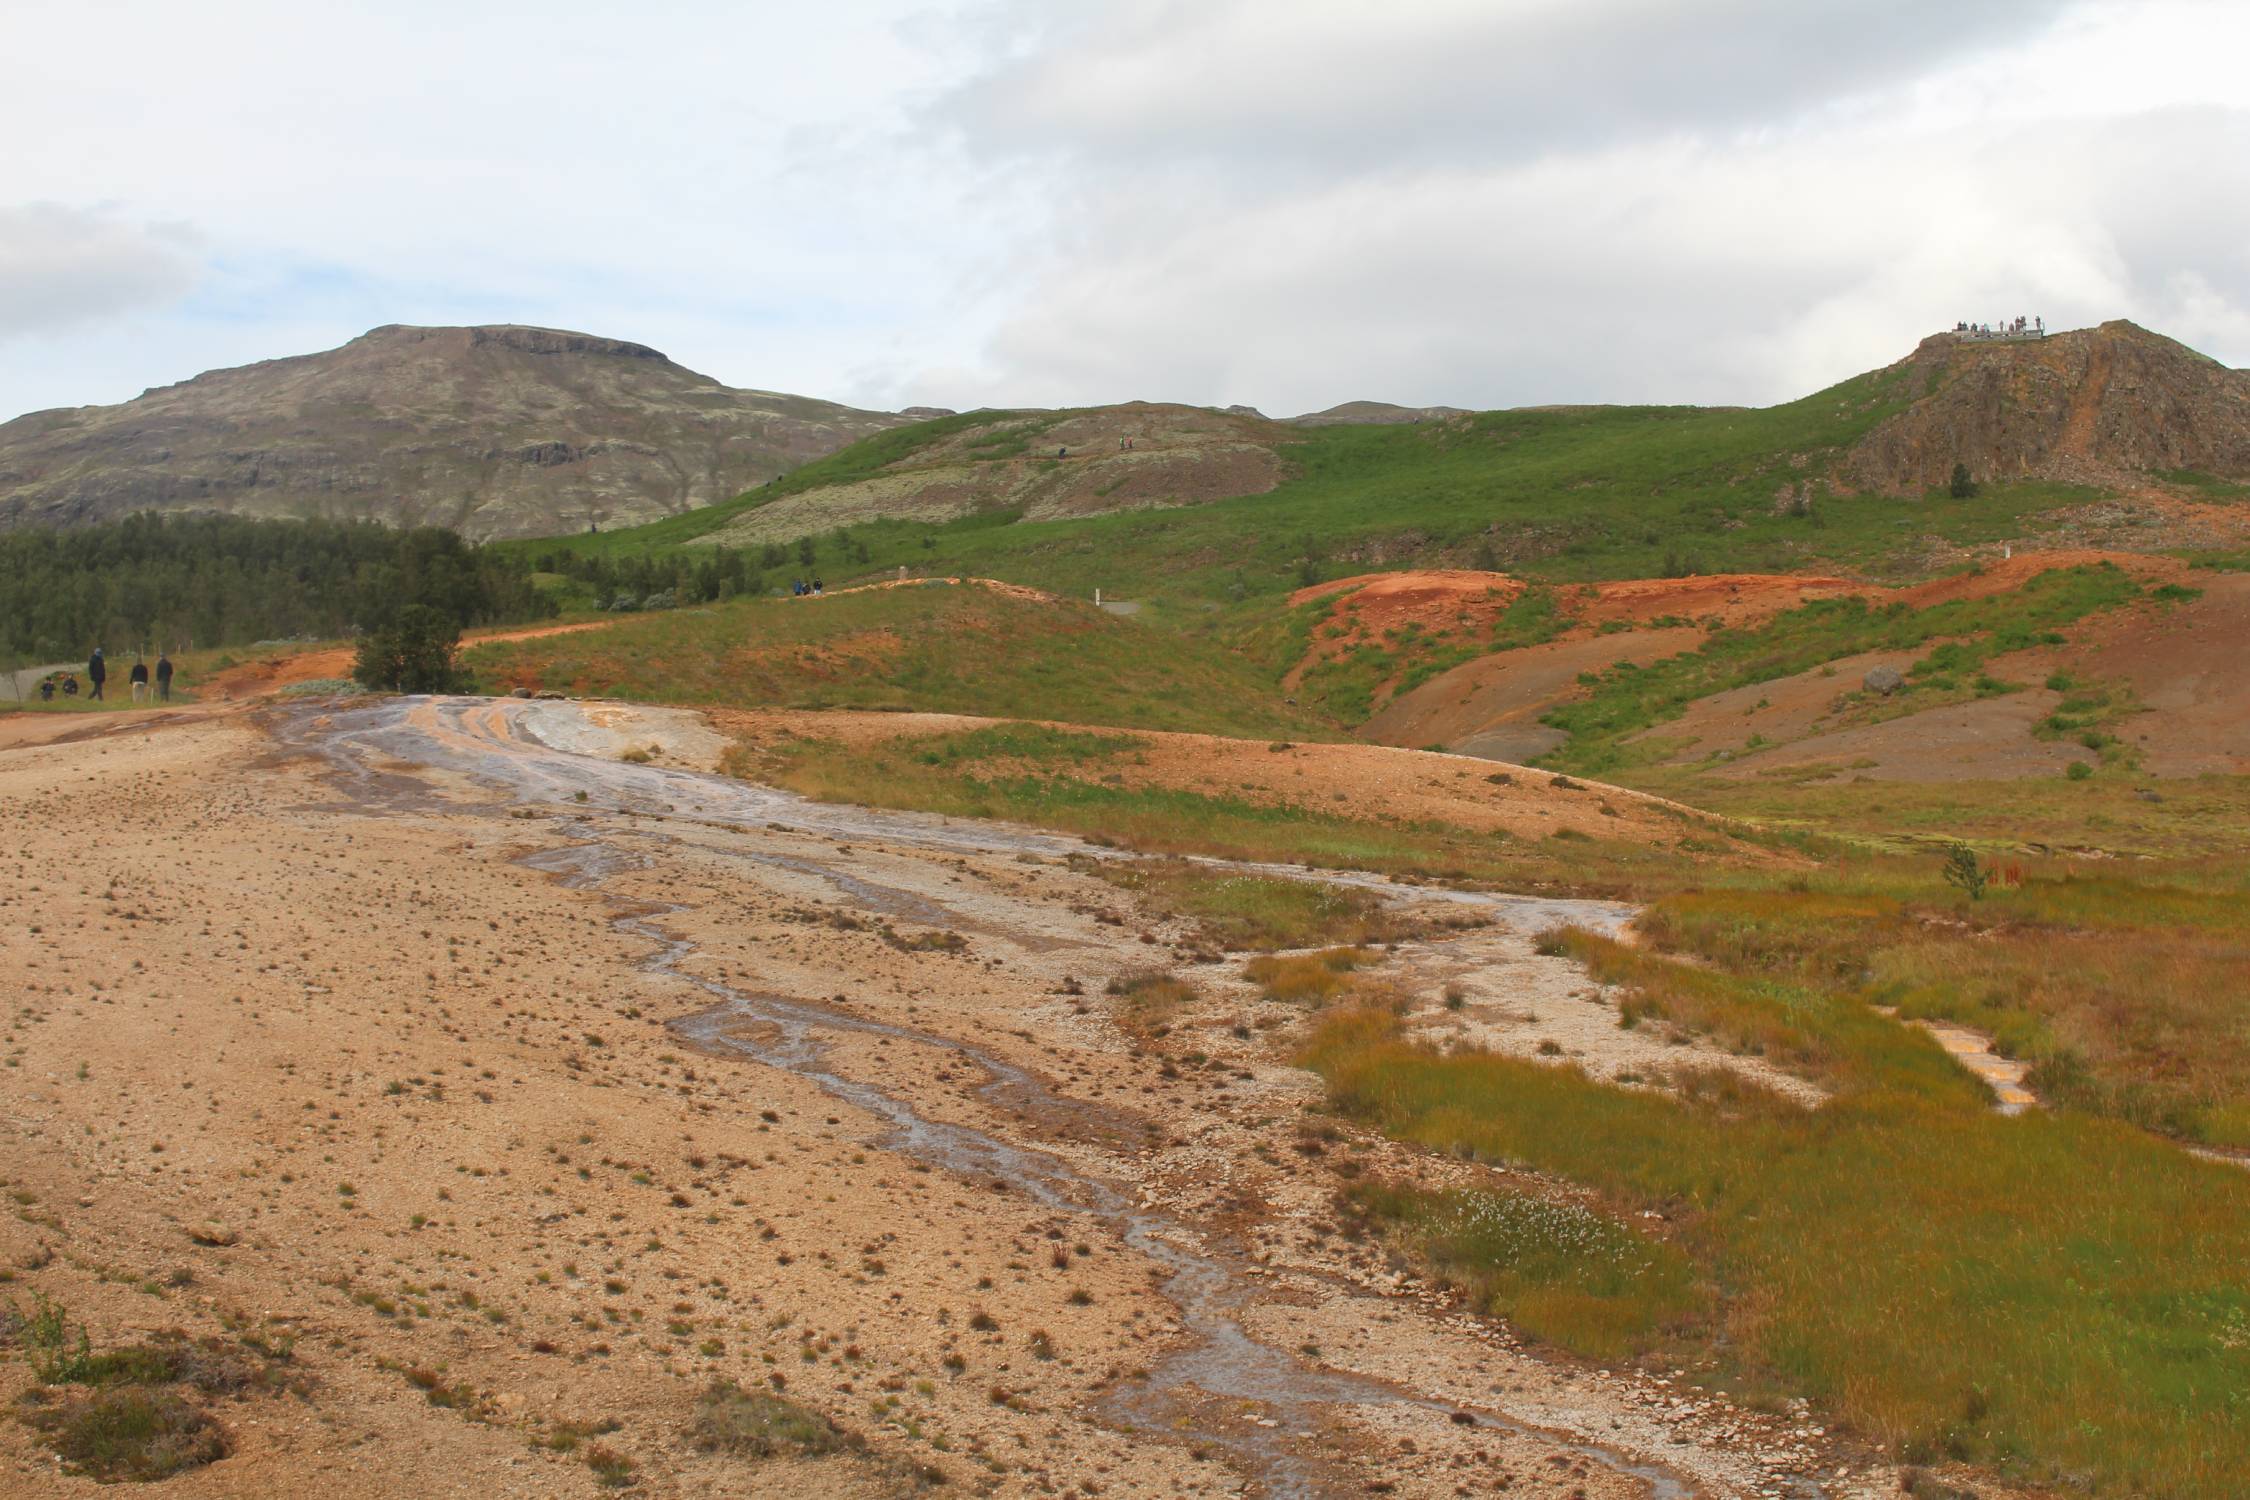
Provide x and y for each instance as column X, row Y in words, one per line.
column 212, row 1232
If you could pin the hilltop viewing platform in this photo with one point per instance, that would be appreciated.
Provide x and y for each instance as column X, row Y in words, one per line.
column 2015, row 330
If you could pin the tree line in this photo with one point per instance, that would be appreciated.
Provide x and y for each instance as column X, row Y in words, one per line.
column 171, row 582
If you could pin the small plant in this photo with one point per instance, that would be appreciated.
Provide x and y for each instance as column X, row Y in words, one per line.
column 1961, row 486
column 1961, row 869
column 2078, row 771
column 612, row 1470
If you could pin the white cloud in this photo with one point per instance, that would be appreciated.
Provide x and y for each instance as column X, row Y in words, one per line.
column 1712, row 203
column 1285, row 202
column 61, row 267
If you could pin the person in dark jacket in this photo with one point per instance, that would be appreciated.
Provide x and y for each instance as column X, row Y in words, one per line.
column 138, row 677
column 163, row 677
column 97, row 672
column 47, row 689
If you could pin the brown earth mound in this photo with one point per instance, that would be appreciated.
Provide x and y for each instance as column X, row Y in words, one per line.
column 2103, row 405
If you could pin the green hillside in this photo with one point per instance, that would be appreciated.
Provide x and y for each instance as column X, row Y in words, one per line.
column 1562, row 493
column 955, row 649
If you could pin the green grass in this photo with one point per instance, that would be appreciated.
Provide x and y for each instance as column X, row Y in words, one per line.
column 2053, row 1294
column 1563, row 494
column 1234, row 910
column 1627, row 699
column 1080, row 793
column 1559, row 1270
column 938, row 648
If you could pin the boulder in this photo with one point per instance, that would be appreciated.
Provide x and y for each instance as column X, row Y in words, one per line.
column 1884, row 680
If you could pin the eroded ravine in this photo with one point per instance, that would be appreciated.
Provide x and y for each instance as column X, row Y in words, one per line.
column 1268, row 1410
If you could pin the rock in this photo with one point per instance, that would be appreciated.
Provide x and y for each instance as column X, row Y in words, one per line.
column 212, row 1232
column 519, row 692
column 548, row 695
column 1884, row 680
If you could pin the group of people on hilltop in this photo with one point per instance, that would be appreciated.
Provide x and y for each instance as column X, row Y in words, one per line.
column 97, row 675
column 803, row 590
column 2019, row 327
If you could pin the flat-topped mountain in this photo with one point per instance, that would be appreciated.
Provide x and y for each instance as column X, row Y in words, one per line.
column 496, row 431
column 2107, row 406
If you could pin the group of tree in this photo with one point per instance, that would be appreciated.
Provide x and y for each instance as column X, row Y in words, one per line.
column 175, row 581
column 703, row 576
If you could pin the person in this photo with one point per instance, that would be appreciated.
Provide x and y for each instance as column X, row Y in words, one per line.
column 817, row 586
column 97, row 673
column 47, row 688
column 70, row 685
column 163, row 677
column 138, row 677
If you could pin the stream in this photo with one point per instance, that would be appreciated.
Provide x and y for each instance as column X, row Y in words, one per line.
column 501, row 745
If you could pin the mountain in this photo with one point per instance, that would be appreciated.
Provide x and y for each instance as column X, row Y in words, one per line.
column 496, row 431
column 2105, row 406
column 1375, row 413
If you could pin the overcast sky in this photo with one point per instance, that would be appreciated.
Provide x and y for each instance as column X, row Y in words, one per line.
column 1287, row 203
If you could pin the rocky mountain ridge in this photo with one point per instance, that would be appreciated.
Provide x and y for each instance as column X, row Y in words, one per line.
column 2109, row 406
column 497, row 431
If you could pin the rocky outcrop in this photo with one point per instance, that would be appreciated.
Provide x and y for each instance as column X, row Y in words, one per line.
column 497, row 431
column 1375, row 414
column 2104, row 406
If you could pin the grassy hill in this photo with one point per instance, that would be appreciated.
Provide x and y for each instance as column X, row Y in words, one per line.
column 936, row 647
column 1563, row 494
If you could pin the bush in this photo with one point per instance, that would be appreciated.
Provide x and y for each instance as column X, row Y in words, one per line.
column 412, row 654
column 1963, row 870
column 2079, row 771
column 1961, row 486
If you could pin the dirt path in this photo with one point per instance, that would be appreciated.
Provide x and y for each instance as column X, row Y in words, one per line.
column 573, row 1083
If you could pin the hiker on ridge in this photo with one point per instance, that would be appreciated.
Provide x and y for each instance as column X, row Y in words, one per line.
column 97, row 672
column 163, row 677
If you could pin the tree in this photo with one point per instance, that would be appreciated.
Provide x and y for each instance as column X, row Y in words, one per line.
column 1962, row 869
column 805, row 551
column 412, row 654
column 1962, row 486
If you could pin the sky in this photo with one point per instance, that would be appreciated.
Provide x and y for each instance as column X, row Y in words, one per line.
column 1281, row 203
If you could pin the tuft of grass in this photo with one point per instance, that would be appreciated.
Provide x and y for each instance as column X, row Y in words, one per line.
column 1236, row 910
column 1149, row 999
column 130, row 1435
column 1559, row 1269
column 758, row 1424
column 1306, row 978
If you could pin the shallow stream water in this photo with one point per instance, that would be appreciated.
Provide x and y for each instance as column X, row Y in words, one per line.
column 1259, row 1405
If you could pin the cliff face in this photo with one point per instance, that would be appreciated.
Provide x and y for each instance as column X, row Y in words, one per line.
column 2101, row 405
column 497, row 431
